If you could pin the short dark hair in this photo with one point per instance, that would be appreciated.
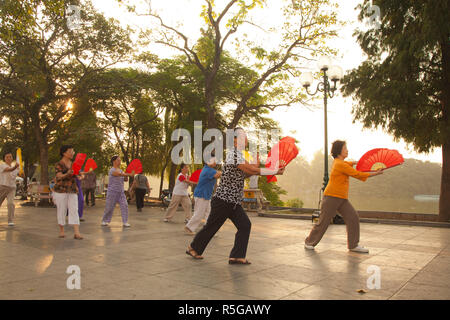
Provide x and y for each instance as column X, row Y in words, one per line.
column 182, row 165
column 336, row 148
column 64, row 148
column 5, row 153
column 114, row 158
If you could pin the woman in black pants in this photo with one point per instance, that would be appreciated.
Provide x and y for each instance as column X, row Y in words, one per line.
column 141, row 187
column 226, row 202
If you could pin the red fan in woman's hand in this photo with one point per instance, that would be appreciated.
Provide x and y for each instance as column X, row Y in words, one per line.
column 281, row 154
column 78, row 163
column 90, row 165
column 135, row 165
column 195, row 176
column 380, row 158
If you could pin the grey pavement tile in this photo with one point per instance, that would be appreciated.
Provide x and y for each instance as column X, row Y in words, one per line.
column 295, row 274
column 148, row 261
column 440, row 264
column 204, row 276
column 400, row 258
column 418, row 248
column 432, row 279
column 437, row 243
column 322, row 263
column 414, row 291
column 210, row 294
column 154, row 287
column 351, row 284
column 43, row 287
column 260, row 287
column 151, row 267
column 17, row 273
column 317, row 292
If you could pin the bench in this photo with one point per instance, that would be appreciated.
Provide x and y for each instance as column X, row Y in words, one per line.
column 38, row 192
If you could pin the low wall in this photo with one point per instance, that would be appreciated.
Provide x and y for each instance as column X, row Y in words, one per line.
column 370, row 214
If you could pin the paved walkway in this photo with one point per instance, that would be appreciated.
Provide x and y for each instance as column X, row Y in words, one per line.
column 147, row 261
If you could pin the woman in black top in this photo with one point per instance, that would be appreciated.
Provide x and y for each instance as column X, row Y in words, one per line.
column 226, row 203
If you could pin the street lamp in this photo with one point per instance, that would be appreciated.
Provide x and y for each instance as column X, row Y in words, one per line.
column 334, row 73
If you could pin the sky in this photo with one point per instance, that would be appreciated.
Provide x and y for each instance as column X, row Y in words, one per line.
column 304, row 124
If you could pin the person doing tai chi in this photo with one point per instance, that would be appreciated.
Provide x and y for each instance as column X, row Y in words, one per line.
column 8, row 174
column 226, row 202
column 180, row 195
column 202, row 195
column 116, row 193
column 65, row 194
column 335, row 199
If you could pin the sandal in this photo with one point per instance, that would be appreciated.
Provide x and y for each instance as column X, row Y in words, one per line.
column 78, row 237
column 193, row 253
column 235, row 261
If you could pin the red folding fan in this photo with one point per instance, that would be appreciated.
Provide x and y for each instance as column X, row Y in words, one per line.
column 195, row 176
column 78, row 163
column 380, row 158
column 90, row 165
column 281, row 154
column 135, row 165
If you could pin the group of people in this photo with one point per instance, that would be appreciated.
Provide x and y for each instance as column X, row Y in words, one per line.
column 226, row 202
column 67, row 185
column 215, row 208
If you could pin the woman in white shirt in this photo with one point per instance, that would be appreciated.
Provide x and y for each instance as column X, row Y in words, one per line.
column 8, row 174
column 180, row 195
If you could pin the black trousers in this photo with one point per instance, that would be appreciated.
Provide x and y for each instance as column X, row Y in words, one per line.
column 140, row 194
column 220, row 212
column 92, row 193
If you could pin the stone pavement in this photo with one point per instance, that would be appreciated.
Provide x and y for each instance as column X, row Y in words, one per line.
column 148, row 260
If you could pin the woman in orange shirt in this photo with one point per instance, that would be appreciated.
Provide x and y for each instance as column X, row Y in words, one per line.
column 335, row 198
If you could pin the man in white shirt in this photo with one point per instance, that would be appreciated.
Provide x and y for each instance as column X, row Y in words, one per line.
column 8, row 174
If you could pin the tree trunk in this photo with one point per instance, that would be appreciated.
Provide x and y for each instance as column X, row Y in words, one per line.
column 172, row 175
column 43, row 156
column 209, row 100
column 41, row 140
column 444, row 201
column 161, row 182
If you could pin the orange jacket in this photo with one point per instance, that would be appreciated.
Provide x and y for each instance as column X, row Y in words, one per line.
column 339, row 178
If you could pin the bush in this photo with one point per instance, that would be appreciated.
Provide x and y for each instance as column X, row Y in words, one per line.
column 294, row 203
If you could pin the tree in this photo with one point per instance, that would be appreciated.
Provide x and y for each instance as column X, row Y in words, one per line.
column 404, row 85
column 16, row 132
column 44, row 63
column 271, row 191
column 307, row 26
column 80, row 128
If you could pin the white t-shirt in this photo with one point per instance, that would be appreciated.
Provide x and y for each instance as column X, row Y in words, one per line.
column 181, row 186
column 8, row 178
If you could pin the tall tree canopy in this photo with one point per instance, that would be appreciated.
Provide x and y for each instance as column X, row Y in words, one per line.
column 44, row 63
column 307, row 25
column 404, row 85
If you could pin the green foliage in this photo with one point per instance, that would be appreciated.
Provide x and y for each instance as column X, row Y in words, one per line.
column 294, row 203
column 403, row 86
column 271, row 192
column 43, row 64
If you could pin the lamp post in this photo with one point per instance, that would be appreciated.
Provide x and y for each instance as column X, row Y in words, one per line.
column 334, row 73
